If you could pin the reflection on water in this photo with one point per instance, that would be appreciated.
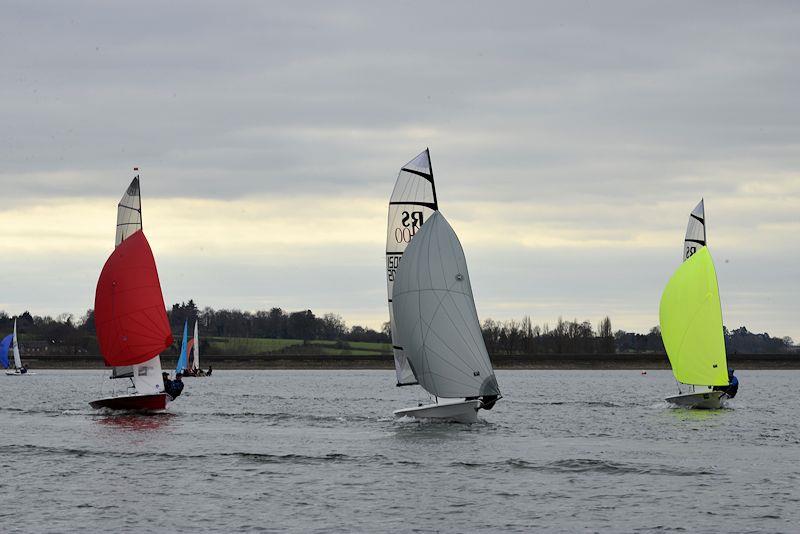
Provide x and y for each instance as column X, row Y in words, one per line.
column 136, row 422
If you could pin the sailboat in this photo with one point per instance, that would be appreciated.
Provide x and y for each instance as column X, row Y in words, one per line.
column 193, row 346
column 130, row 316
column 436, row 335
column 690, row 316
column 11, row 340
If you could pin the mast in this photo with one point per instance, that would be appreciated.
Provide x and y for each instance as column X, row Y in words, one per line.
column 412, row 202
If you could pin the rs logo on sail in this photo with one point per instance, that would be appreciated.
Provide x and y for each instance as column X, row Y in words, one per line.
column 411, row 221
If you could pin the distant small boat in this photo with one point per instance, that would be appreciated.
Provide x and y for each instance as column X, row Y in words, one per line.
column 690, row 315
column 11, row 340
column 194, row 346
column 130, row 316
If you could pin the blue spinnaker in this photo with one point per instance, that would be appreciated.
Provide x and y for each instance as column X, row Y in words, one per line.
column 184, row 359
column 4, row 350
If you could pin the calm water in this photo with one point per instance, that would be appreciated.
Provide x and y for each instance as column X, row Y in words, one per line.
column 319, row 451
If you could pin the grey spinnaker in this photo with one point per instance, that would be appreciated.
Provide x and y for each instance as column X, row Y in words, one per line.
column 435, row 316
column 412, row 202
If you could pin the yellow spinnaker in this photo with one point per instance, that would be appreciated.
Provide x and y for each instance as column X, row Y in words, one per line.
column 691, row 323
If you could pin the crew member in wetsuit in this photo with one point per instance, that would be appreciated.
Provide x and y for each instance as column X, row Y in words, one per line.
column 176, row 387
column 733, row 385
column 23, row 370
column 208, row 373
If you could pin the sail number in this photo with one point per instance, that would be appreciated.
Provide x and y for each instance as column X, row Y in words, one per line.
column 689, row 252
column 392, row 263
column 411, row 221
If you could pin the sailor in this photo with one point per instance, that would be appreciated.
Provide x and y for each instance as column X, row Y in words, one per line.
column 176, row 387
column 208, row 373
column 167, row 381
column 733, row 385
column 23, row 370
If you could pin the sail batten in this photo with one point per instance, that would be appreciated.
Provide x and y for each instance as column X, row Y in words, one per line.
column 412, row 203
column 435, row 316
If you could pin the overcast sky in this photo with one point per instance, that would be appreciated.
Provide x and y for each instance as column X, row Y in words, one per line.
column 569, row 142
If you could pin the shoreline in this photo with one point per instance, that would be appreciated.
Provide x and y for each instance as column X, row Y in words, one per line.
column 643, row 361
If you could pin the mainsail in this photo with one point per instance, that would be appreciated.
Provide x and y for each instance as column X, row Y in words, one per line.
column 695, row 231
column 15, row 348
column 183, row 358
column 412, row 203
column 195, row 346
column 435, row 316
column 129, row 212
column 690, row 314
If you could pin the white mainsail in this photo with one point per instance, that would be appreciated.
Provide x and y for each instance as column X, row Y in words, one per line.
column 412, row 203
column 129, row 212
column 15, row 348
column 196, row 349
column 695, row 231
column 435, row 316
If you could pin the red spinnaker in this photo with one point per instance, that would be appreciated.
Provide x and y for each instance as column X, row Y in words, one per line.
column 129, row 313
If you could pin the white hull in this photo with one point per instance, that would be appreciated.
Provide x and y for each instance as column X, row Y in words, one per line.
column 706, row 400
column 459, row 411
column 17, row 373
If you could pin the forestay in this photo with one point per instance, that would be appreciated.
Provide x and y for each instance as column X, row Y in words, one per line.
column 411, row 204
column 435, row 316
column 695, row 231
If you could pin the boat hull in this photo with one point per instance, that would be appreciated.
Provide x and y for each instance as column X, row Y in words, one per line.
column 707, row 400
column 461, row 411
column 17, row 373
column 147, row 403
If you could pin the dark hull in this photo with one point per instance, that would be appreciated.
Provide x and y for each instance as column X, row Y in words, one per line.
column 154, row 402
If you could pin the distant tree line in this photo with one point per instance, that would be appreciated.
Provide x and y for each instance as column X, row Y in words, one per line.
column 65, row 334
column 578, row 337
